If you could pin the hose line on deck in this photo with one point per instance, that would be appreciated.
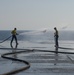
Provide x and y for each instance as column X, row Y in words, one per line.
column 5, row 39
column 25, row 62
column 15, row 59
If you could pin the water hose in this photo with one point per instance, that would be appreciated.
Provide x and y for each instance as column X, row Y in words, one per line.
column 53, row 51
column 25, row 62
column 5, row 39
column 15, row 59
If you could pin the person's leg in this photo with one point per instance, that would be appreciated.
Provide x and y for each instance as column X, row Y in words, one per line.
column 16, row 40
column 57, row 42
column 56, row 45
column 11, row 41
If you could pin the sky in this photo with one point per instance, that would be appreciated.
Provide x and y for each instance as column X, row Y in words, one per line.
column 36, row 14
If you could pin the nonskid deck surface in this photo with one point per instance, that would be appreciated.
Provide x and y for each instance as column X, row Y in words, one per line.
column 48, row 63
column 41, row 62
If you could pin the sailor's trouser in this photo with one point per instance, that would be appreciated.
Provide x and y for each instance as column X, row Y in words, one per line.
column 14, row 37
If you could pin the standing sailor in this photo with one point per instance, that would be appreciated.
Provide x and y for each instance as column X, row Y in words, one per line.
column 56, row 36
column 14, row 33
column 56, row 39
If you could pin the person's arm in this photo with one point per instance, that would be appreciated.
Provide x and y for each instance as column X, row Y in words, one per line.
column 16, row 33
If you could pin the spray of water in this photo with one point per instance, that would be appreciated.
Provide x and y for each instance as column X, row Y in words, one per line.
column 35, row 32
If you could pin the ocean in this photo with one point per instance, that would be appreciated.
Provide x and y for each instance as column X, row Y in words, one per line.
column 38, row 37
